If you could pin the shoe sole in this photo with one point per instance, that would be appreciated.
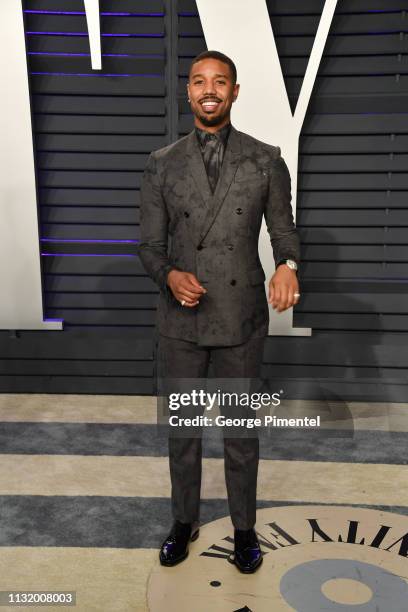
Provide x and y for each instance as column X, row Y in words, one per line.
column 246, row 571
column 171, row 563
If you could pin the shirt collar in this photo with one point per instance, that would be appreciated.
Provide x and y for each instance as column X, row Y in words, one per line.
column 203, row 135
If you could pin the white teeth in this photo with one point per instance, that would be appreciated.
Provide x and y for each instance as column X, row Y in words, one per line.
column 209, row 106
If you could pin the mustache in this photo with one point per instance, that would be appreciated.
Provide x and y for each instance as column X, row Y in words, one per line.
column 210, row 100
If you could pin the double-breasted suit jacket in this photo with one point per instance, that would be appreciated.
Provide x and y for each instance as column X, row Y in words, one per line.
column 184, row 225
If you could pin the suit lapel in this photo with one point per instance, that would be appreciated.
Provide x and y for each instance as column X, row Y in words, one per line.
column 213, row 202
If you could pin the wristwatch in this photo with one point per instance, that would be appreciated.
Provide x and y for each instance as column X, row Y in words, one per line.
column 289, row 262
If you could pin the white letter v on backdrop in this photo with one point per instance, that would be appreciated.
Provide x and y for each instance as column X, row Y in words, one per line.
column 94, row 31
column 243, row 31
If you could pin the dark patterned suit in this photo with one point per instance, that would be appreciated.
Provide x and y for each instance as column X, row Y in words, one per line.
column 214, row 234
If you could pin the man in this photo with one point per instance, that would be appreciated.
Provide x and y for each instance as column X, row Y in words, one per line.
column 206, row 194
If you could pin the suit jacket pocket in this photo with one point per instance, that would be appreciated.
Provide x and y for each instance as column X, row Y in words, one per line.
column 256, row 276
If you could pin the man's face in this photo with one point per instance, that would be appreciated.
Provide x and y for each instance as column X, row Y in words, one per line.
column 211, row 92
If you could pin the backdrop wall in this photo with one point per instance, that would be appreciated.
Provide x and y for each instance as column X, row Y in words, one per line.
column 93, row 132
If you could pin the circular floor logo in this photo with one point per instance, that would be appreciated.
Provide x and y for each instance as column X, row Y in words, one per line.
column 336, row 559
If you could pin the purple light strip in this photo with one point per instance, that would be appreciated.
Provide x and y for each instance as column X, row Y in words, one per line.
column 90, row 74
column 195, row 13
column 105, row 35
column 86, row 255
column 142, row 55
column 103, row 14
column 75, row 240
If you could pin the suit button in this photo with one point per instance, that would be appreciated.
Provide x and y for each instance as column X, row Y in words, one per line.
column 230, row 247
column 186, row 214
column 200, row 247
column 238, row 211
column 233, row 282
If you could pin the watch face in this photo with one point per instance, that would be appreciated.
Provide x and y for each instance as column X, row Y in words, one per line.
column 292, row 264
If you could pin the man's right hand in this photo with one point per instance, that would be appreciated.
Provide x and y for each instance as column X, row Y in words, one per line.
column 185, row 286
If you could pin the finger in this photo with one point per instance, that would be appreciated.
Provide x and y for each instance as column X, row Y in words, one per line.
column 195, row 283
column 271, row 293
column 283, row 298
column 291, row 299
column 186, row 285
column 182, row 295
column 296, row 297
column 276, row 296
column 185, row 300
column 192, row 296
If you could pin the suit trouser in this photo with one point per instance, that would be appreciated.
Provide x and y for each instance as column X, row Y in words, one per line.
column 181, row 359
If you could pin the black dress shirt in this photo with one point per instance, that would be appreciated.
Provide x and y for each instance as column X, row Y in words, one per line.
column 212, row 147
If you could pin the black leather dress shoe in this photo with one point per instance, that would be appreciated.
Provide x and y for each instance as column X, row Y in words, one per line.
column 247, row 552
column 175, row 547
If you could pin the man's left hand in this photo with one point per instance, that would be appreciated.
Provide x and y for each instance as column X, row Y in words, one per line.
column 282, row 287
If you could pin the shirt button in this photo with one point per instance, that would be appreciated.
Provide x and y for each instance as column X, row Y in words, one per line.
column 233, row 282
column 186, row 214
column 238, row 211
column 230, row 247
column 200, row 247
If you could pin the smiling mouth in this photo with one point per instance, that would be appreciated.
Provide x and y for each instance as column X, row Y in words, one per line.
column 209, row 105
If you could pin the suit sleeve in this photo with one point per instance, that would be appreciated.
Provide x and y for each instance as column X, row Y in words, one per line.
column 278, row 213
column 153, row 244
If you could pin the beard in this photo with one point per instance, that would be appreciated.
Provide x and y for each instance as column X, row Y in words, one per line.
column 211, row 121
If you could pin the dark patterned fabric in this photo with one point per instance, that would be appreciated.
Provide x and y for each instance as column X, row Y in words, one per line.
column 212, row 149
column 215, row 235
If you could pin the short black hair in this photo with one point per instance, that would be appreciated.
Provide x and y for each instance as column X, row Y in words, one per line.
column 219, row 56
